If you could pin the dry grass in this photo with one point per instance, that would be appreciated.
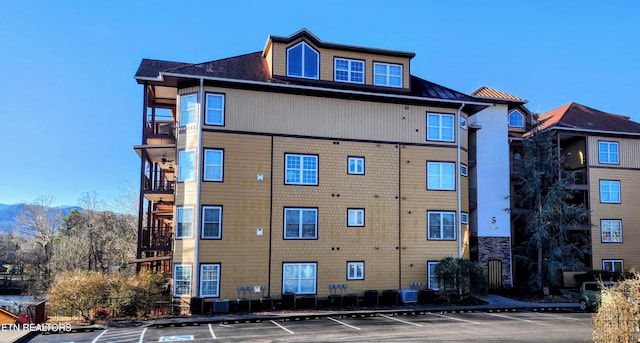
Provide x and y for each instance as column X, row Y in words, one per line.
column 618, row 317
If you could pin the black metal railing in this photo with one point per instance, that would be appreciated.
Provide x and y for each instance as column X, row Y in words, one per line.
column 156, row 239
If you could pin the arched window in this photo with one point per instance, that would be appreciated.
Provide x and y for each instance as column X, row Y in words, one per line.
column 303, row 61
column 516, row 119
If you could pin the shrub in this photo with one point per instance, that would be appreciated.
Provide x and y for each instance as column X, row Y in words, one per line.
column 77, row 292
column 618, row 317
column 461, row 277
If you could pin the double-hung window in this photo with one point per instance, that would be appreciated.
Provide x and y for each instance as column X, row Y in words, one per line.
column 355, row 270
column 214, row 114
column 301, row 169
column 355, row 165
column 608, row 153
column 610, row 191
column 184, row 221
column 300, row 223
column 441, row 176
column 211, row 222
column 347, row 70
column 299, row 278
column 441, row 225
column 210, row 280
column 181, row 280
column 387, row 74
column 188, row 109
column 355, row 217
column 433, row 277
column 303, row 61
column 186, row 165
column 516, row 119
column 213, row 164
column 440, row 127
column 611, row 230
column 612, row 265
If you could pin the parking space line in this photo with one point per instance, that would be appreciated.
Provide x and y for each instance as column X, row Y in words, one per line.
column 100, row 335
column 282, row 327
column 556, row 316
column 452, row 318
column 345, row 324
column 507, row 317
column 142, row 335
column 213, row 335
column 399, row 320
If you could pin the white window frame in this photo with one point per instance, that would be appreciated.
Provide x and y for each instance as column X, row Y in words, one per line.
column 206, row 209
column 288, row 211
column 182, row 281
column 464, row 218
column 188, row 114
column 211, row 166
column 610, row 195
column 432, row 276
column 435, row 121
column 612, row 263
column 355, row 165
column 210, row 280
column 300, row 171
column 350, row 70
column 464, row 169
column 184, row 216
column 512, row 119
column 210, row 118
column 441, row 228
column 387, row 75
column 355, row 270
column 605, row 153
column 355, row 217
column 302, row 63
column 186, row 165
column 299, row 279
column 612, row 227
column 436, row 176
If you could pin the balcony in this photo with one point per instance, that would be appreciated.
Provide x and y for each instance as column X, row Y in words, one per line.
column 156, row 239
column 160, row 132
column 159, row 185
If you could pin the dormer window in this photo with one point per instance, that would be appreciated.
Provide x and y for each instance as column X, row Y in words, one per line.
column 303, row 61
column 386, row 74
column 347, row 70
column 516, row 119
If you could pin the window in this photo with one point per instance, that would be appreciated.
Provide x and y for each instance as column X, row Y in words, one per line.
column 441, row 225
column 464, row 170
column 212, row 222
column 300, row 223
column 611, row 230
column 441, row 176
column 301, row 169
column 440, row 127
column 214, row 114
column 349, row 70
column 612, row 265
column 464, row 218
column 181, row 280
column 516, row 119
column 355, row 270
column 184, row 218
column 433, row 278
column 355, row 217
column 210, row 280
column 186, row 165
column 302, row 61
column 213, row 164
column 608, row 152
column 610, row 191
column 188, row 109
column 385, row 74
column 299, row 278
column 356, row 165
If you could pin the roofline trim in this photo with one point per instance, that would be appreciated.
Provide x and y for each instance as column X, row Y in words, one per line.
column 594, row 131
column 382, row 95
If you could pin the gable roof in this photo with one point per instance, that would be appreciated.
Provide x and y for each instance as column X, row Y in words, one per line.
column 491, row 93
column 575, row 116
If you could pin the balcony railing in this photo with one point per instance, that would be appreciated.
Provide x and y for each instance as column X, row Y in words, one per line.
column 160, row 128
column 158, row 184
column 156, row 239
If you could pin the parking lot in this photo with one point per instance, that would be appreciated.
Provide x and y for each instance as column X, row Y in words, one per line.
column 460, row 326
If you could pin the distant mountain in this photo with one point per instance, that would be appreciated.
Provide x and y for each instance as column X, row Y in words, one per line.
column 9, row 215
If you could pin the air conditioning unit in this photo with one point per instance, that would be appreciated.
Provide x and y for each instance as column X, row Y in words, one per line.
column 408, row 296
column 221, row 306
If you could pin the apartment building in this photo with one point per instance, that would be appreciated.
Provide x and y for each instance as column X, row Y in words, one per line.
column 311, row 164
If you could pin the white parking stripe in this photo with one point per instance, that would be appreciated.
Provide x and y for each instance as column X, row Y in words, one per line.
column 556, row 316
column 100, row 335
column 142, row 335
column 399, row 320
column 282, row 327
column 508, row 317
column 345, row 324
column 213, row 335
column 452, row 318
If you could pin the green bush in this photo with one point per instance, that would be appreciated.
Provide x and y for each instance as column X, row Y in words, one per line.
column 461, row 278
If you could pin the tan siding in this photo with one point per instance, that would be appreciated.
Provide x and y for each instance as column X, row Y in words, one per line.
column 629, row 149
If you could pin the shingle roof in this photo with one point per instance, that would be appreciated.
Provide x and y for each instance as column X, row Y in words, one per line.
column 151, row 68
column 423, row 88
column 577, row 116
column 491, row 93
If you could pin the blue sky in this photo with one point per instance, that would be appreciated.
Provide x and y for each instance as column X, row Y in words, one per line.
column 71, row 110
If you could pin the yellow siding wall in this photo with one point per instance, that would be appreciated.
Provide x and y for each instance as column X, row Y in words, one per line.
column 629, row 150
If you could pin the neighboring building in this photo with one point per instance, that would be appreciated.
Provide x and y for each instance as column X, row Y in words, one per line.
column 311, row 164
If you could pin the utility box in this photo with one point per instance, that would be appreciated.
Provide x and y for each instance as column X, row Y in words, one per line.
column 408, row 296
column 221, row 306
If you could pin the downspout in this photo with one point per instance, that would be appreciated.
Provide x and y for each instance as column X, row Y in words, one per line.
column 459, row 183
column 196, row 259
